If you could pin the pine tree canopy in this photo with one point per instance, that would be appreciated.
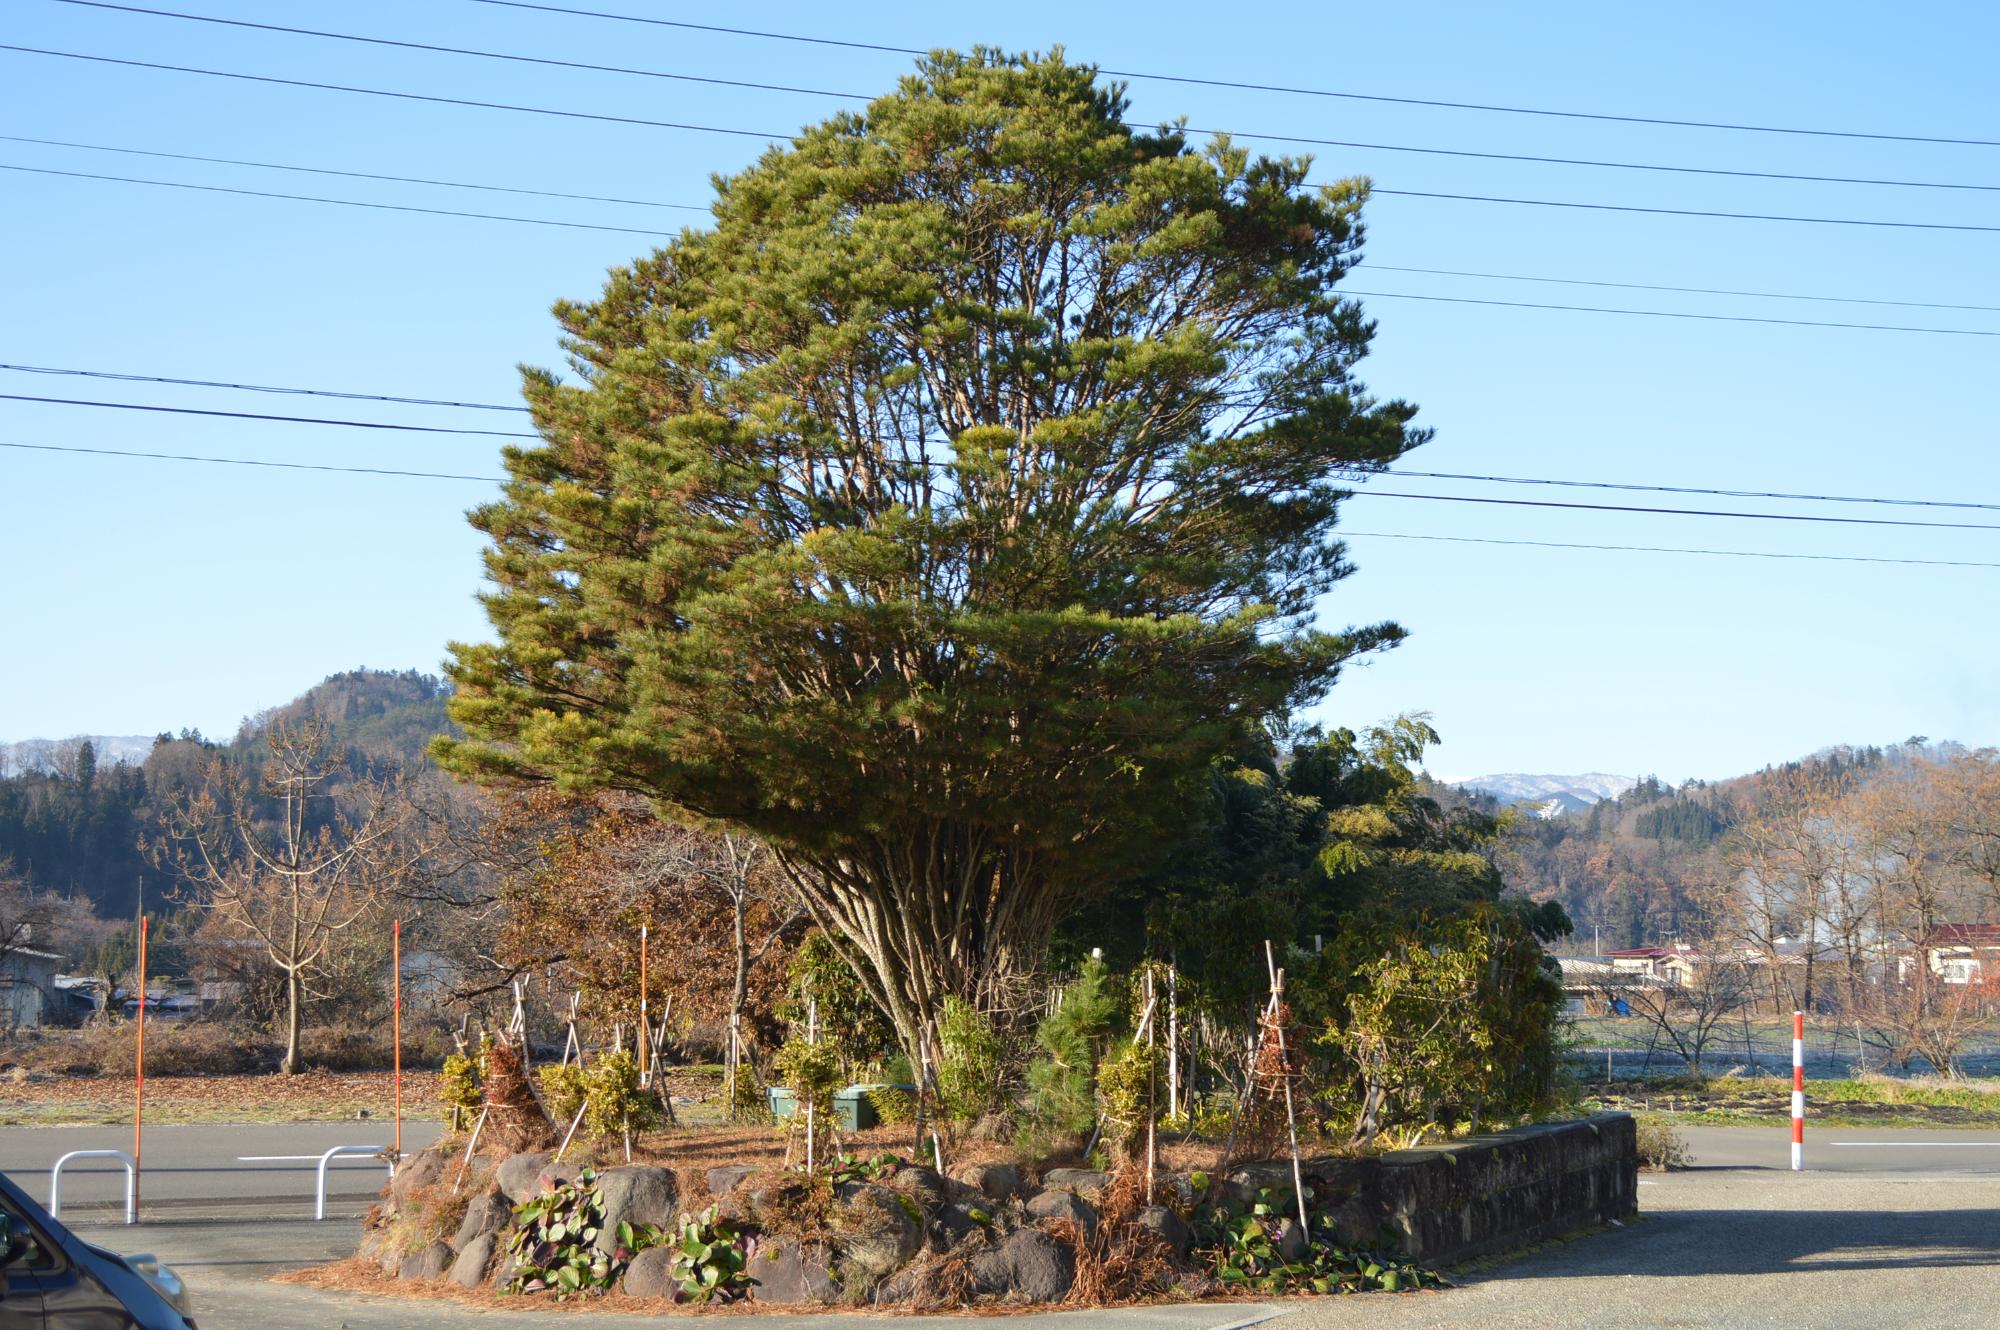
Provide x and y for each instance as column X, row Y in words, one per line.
column 940, row 510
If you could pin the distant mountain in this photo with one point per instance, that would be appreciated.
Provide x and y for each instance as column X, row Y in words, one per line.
column 1567, row 793
column 48, row 755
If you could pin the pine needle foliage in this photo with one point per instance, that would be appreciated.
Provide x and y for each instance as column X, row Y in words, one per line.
column 940, row 510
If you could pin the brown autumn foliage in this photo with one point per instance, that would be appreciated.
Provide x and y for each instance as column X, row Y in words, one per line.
column 604, row 866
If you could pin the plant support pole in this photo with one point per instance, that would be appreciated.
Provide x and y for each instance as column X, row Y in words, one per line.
column 396, row 966
column 642, row 1004
column 1798, row 1091
column 139, row 1066
column 1285, row 1072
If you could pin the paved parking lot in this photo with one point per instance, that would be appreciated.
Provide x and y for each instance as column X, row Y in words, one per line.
column 1888, row 1229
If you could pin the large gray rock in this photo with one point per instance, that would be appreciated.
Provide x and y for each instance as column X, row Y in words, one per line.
column 488, row 1213
column 635, row 1194
column 469, row 1270
column 958, row 1220
column 1088, row 1183
column 1052, row 1205
column 419, row 1170
column 996, row 1182
column 651, row 1274
column 923, row 1185
column 875, row 1229
column 1168, row 1227
column 1029, row 1266
column 426, row 1264
column 787, row 1273
column 516, row 1176
column 723, row 1180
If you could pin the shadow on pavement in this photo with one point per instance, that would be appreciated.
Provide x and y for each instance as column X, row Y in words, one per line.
column 1681, row 1243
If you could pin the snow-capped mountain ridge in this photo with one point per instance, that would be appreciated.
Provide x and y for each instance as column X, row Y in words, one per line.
column 1571, row 792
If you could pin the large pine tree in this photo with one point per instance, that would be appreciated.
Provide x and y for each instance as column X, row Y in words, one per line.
column 941, row 510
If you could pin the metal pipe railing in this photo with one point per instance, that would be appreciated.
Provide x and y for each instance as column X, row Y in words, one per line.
column 341, row 1152
column 131, row 1181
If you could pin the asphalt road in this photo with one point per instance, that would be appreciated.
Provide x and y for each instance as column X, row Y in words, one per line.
column 208, row 1169
column 1885, row 1229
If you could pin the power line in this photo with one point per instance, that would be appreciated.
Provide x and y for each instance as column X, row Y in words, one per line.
column 853, row 96
column 1679, row 314
column 1692, row 489
column 647, row 203
column 462, row 50
column 1683, row 290
column 258, row 387
column 401, row 96
column 1678, row 512
column 253, row 415
column 340, row 203
column 1681, row 212
column 351, row 175
column 1670, row 549
column 1247, row 86
column 247, row 461
column 117, row 376
column 1369, row 535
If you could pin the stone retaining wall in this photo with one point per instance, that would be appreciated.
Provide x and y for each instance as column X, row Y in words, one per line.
column 1445, row 1205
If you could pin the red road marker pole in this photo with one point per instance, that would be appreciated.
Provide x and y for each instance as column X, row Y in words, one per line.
column 396, row 963
column 1798, row 1090
column 139, row 1083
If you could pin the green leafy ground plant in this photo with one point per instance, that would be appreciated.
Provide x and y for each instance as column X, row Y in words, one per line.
column 1253, row 1249
column 710, row 1260
column 554, row 1243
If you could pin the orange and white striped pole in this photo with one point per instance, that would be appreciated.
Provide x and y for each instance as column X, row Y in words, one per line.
column 1798, row 1090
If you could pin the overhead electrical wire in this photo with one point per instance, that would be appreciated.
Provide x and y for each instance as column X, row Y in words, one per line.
column 1690, row 489
column 1366, row 535
column 1392, row 474
column 400, row 96
column 1670, row 549
column 852, row 96
column 254, row 415
column 692, row 207
column 1247, row 86
column 774, row 137
column 1678, row 314
column 247, row 461
column 1682, row 290
column 339, row 203
column 258, row 387
column 350, row 175
column 1676, row 512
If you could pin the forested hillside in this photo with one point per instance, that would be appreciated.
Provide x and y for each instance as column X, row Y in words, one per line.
column 1658, row 861
column 75, row 827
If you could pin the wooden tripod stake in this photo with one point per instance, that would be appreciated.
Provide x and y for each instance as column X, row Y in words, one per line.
column 1285, row 1070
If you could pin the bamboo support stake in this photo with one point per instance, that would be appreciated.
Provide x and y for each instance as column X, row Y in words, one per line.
column 1173, row 1042
column 1285, row 1070
column 642, row 1005
column 1152, row 1079
column 812, row 1039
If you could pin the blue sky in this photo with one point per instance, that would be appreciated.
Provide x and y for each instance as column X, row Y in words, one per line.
column 144, row 595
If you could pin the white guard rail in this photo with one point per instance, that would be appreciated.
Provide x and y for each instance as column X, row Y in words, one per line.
column 131, row 1181
column 342, row 1152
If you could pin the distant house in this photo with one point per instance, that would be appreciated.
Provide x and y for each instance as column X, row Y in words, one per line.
column 1964, row 953
column 28, row 987
column 1672, row 966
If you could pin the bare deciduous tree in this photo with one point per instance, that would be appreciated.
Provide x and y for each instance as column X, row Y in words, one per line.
column 1689, row 1016
column 298, row 870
